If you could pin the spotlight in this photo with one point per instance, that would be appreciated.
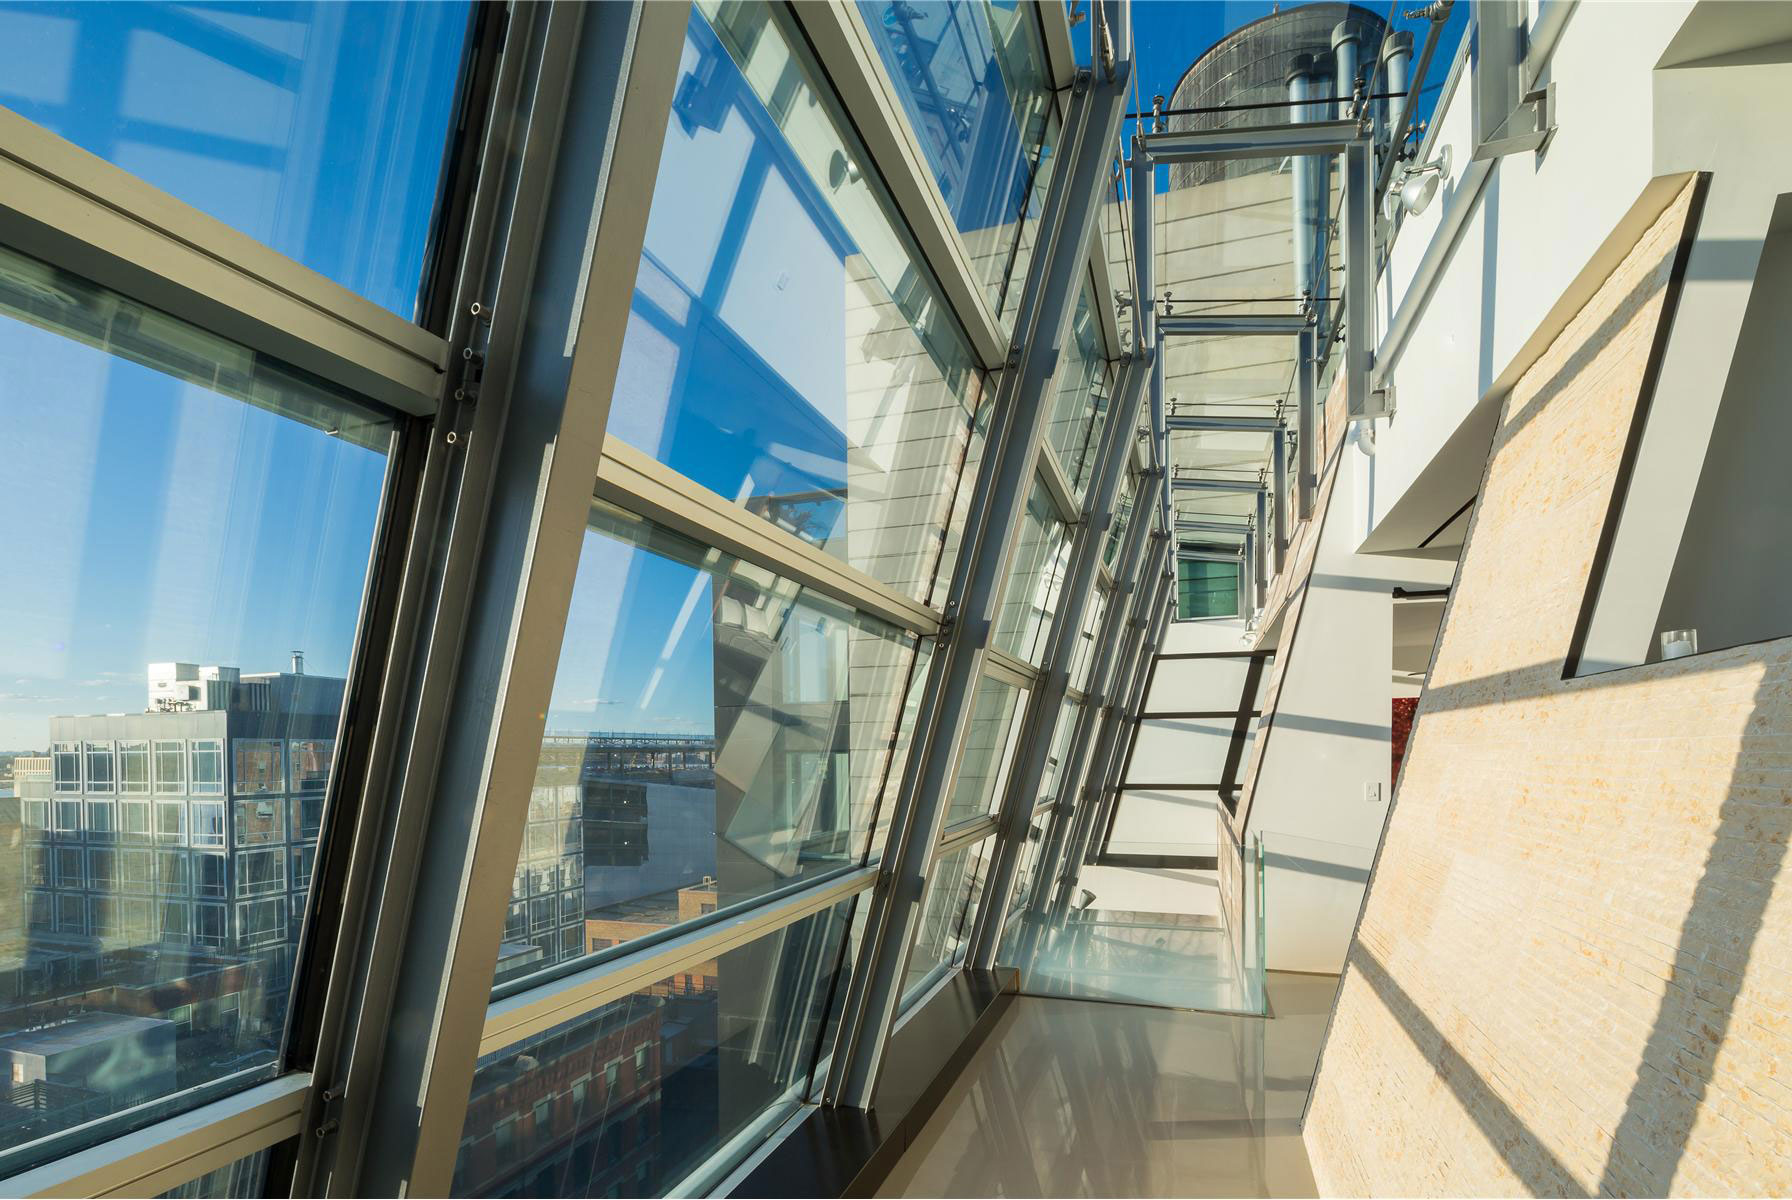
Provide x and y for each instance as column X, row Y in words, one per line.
column 1419, row 184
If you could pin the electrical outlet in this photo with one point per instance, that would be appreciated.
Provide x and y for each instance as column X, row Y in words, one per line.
column 1372, row 791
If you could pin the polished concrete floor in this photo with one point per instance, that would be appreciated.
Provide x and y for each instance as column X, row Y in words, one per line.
column 1084, row 1098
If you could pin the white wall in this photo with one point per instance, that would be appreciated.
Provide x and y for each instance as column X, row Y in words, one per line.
column 1538, row 222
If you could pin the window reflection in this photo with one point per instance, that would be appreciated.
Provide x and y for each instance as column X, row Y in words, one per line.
column 629, row 1099
column 716, row 732
column 217, row 512
column 971, row 77
column 316, row 128
column 954, row 886
column 988, row 746
column 1035, row 577
column 1079, row 395
column 784, row 350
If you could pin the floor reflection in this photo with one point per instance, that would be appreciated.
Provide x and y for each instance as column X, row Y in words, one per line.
column 1078, row 1098
column 1177, row 960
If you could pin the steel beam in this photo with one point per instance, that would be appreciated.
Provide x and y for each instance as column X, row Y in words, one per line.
column 1263, row 535
column 1060, row 259
column 1306, row 369
column 1226, row 424
column 1196, row 526
column 1185, row 484
column 1205, row 326
column 1359, row 283
column 1043, row 709
column 1254, row 141
column 1278, row 491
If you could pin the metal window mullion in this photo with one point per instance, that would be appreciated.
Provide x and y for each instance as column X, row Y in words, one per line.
column 510, row 1020
column 1110, row 748
column 1306, row 396
column 1099, row 789
column 1041, row 320
column 1359, row 279
column 593, row 112
column 1127, row 732
column 1021, row 798
column 77, row 211
column 167, row 1154
column 1076, row 758
column 647, row 487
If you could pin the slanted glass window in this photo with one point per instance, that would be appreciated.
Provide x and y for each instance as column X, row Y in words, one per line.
column 1206, row 588
column 102, row 774
column 211, row 875
column 310, row 763
column 66, row 766
column 785, row 348
column 316, row 128
column 972, row 79
column 207, row 755
column 189, row 499
column 307, row 817
column 171, row 767
column 133, row 768
column 1079, row 398
column 952, row 885
column 716, row 732
column 641, row 1091
column 1035, row 577
column 256, row 767
column 1122, row 514
column 988, row 746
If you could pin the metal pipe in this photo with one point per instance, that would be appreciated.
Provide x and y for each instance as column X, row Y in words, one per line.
column 1344, row 53
column 1417, row 297
column 1300, row 90
column 1216, row 326
column 1279, row 490
column 1307, row 369
column 1396, row 58
column 1144, row 302
column 1185, row 484
column 1543, row 38
column 1440, row 12
column 1247, row 574
column 1160, row 438
column 1262, row 542
column 1227, row 424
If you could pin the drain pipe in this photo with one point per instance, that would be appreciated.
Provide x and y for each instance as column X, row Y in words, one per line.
column 1344, row 54
column 1300, row 92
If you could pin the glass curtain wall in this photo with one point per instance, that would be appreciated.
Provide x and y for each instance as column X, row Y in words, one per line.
column 723, row 743
column 973, row 82
column 785, row 348
column 200, row 523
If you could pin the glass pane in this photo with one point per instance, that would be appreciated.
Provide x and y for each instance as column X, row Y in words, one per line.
column 1027, row 872
column 716, row 732
column 785, row 350
column 1035, row 577
column 239, row 1180
column 1078, row 395
column 972, row 80
column 627, row 1100
column 946, row 914
column 988, row 745
column 1206, row 588
column 317, row 128
column 183, row 523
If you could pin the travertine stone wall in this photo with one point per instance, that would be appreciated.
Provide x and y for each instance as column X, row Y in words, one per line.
column 1574, row 972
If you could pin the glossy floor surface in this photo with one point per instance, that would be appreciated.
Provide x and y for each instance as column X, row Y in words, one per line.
column 1083, row 1098
column 1177, row 960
